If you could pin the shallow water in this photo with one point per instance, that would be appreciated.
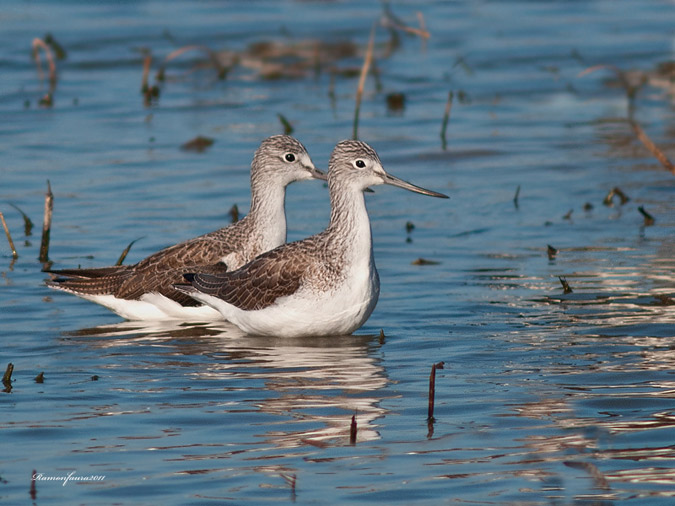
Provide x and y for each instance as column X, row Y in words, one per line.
column 544, row 398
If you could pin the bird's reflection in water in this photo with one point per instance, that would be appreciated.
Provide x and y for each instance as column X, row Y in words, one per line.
column 318, row 383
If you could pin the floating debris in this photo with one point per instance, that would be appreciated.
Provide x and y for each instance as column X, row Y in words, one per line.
column 46, row 101
column 588, row 207
column 47, row 224
column 94, row 377
column 40, row 378
column 515, row 197
column 395, row 102
column 9, row 236
column 234, row 213
column 409, row 226
column 27, row 223
column 288, row 128
column 352, row 431
column 566, row 287
column 7, row 378
column 446, row 118
column 126, row 251
column 381, row 337
column 432, row 390
column 551, row 251
column 362, row 80
column 568, row 215
column 609, row 199
column 424, row 261
column 198, row 144
column 649, row 219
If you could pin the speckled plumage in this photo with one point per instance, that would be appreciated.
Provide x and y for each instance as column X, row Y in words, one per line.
column 326, row 284
column 227, row 248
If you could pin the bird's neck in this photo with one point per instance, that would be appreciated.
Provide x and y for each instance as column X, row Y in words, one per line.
column 349, row 222
column 267, row 212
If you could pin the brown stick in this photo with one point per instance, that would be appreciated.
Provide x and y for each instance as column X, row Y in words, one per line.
column 362, row 79
column 9, row 236
column 352, row 431
column 432, row 389
column 651, row 147
column 47, row 224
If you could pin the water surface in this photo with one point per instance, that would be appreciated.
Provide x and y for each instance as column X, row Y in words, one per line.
column 544, row 398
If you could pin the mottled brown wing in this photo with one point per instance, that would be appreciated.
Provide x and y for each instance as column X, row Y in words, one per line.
column 261, row 282
column 159, row 272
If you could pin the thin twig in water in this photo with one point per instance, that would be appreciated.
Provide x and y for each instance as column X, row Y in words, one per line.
column 352, row 431
column 515, row 197
column 649, row 219
column 47, row 224
column 288, row 128
column 566, row 287
column 7, row 378
column 446, row 118
column 651, row 147
column 41, row 44
column 362, row 80
column 234, row 213
column 126, row 251
column 432, row 389
column 9, row 236
column 222, row 71
column 27, row 223
column 631, row 93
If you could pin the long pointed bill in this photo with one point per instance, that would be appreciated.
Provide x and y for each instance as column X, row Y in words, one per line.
column 394, row 181
column 316, row 173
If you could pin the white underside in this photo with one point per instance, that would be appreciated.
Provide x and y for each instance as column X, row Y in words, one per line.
column 306, row 313
column 154, row 307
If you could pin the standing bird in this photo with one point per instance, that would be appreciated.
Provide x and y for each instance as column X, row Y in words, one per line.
column 326, row 284
column 144, row 291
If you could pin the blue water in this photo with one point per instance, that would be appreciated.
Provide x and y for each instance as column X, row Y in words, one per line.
column 544, row 398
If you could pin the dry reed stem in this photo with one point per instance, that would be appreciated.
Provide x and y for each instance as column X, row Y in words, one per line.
column 7, row 377
column 516, row 196
column 126, row 252
column 394, row 22
column 651, row 147
column 432, row 389
column 446, row 118
column 362, row 79
column 27, row 222
column 147, row 61
column 40, row 44
column 9, row 236
column 195, row 47
column 641, row 135
column 352, row 431
column 47, row 224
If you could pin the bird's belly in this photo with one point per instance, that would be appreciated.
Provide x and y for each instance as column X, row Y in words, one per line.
column 314, row 313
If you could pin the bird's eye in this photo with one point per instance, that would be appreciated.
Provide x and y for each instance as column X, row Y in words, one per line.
column 359, row 164
column 290, row 157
